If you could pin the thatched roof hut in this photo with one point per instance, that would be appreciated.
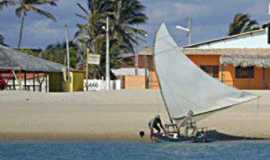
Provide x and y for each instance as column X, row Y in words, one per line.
column 11, row 59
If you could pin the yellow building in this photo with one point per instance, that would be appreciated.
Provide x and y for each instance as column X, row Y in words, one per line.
column 61, row 82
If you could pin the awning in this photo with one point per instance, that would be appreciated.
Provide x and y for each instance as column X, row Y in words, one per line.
column 246, row 60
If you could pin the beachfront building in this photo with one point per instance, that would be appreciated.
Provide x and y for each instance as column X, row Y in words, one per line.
column 140, row 76
column 241, row 61
column 20, row 71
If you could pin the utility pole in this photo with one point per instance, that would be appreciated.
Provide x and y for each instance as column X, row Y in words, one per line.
column 107, row 55
column 67, row 49
column 190, row 31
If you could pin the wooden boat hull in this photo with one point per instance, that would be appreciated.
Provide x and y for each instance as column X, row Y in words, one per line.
column 209, row 136
column 181, row 139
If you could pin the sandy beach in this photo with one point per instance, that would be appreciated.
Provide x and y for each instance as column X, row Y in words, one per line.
column 91, row 115
column 113, row 115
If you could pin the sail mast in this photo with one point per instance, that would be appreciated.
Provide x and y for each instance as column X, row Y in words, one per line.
column 164, row 100
column 161, row 92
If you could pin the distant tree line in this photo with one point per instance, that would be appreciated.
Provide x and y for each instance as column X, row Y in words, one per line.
column 55, row 52
column 2, row 40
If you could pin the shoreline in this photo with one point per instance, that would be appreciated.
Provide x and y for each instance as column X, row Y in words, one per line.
column 72, row 137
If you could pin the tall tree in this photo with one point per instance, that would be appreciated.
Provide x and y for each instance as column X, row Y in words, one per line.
column 242, row 23
column 32, row 6
column 92, row 32
column 5, row 3
column 125, row 16
column 91, row 35
column 57, row 53
column 2, row 40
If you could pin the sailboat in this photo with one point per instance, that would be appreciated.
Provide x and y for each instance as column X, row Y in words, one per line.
column 185, row 87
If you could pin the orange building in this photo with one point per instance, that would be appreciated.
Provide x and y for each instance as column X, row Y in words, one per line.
column 241, row 61
column 218, row 63
column 240, row 68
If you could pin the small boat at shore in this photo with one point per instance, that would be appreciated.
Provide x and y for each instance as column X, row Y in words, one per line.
column 166, row 138
column 186, row 88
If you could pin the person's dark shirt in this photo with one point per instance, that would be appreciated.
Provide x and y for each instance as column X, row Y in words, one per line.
column 157, row 121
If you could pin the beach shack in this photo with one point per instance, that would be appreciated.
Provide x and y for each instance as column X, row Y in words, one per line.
column 20, row 71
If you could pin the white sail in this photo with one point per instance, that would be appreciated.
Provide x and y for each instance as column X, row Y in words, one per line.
column 185, row 86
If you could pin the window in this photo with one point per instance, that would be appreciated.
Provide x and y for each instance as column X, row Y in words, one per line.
column 211, row 70
column 244, row 72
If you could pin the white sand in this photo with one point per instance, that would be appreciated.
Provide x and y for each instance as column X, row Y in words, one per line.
column 113, row 115
column 251, row 119
column 103, row 115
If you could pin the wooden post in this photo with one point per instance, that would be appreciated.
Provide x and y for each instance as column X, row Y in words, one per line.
column 25, row 85
column 40, row 83
column 145, row 72
column 222, row 69
column 86, row 70
column 265, row 78
column 34, row 82
column 13, row 82
column 46, row 82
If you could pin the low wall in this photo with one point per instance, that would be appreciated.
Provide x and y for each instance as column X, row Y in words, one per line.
column 134, row 82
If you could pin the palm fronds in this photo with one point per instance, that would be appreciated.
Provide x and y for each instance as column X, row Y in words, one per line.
column 242, row 23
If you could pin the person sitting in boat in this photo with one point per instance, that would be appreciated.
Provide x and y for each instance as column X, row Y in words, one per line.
column 155, row 124
column 189, row 124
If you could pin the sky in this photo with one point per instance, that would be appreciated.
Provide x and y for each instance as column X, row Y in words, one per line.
column 210, row 20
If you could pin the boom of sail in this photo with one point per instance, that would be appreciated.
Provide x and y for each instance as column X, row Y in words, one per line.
column 185, row 86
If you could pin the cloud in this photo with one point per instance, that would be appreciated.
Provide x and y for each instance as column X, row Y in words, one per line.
column 45, row 32
column 259, row 11
column 43, row 27
column 171, row 12
column 39, row 31
column 211, row 19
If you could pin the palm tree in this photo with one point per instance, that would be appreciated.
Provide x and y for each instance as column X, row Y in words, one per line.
column 5, row 3
column 91, row 32
column 127, row 15
column 2, row 40
column 91, row 35
column 124, row 16
column 32, row 6
column 242, row 23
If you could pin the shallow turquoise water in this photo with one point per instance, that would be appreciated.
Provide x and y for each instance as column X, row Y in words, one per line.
column 79, row 150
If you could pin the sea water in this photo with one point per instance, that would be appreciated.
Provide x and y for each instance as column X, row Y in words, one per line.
column 87, row 150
